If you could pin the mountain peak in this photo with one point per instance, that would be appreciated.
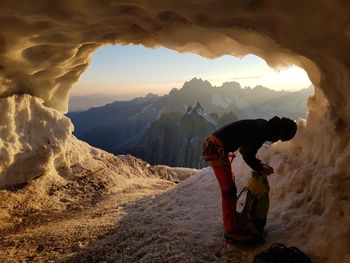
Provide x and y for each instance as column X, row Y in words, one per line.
column 198, row 107
column 198, row 111
column 189, row 109
column 231, row 85
column 197, row 83
column 151, row 95
column 261, row 88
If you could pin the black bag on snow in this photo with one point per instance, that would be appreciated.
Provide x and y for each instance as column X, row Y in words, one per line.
column 279, row 253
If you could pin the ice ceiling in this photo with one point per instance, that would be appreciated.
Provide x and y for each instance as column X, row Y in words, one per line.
column 46, row 45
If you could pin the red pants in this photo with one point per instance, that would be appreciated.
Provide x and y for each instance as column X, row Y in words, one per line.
column 224, row 174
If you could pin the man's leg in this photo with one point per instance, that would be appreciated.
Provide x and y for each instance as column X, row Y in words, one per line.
column 223, row 174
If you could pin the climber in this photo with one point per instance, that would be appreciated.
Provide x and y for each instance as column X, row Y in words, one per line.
column 247, row 136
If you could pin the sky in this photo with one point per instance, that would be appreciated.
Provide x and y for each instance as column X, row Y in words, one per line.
column 131, row 71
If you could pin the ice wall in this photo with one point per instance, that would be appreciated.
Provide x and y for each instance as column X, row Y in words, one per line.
column 310, row 186
column 31, row 137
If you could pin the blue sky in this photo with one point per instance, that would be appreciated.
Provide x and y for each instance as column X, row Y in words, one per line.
column 132, row 71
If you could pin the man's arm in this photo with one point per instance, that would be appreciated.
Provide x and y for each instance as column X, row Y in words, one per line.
column 249, row 156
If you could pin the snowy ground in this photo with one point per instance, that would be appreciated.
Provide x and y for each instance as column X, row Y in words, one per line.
column 149, row 220
column 158, row 223
column 115, row 209
column 76, row 203
column 104, row 217
column 120, row 209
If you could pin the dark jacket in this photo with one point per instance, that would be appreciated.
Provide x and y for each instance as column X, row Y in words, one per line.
column 247, row 136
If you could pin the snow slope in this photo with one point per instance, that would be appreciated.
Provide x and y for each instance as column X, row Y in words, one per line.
column 150, row 220
column 184, row 224
column 45, row 169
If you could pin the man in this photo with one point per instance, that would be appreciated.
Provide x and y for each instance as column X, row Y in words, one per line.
column 247, row 136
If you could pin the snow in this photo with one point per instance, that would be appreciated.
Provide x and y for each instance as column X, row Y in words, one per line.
column 32, row 136
column 147, row 107
column 78, row 175
column 207, row 117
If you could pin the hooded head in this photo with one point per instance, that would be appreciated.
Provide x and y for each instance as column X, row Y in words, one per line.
column 289, row 129
column 282, row 129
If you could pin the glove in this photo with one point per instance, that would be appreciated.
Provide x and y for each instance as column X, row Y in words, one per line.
column 267, row 170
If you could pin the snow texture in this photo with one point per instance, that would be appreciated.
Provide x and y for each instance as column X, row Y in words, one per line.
column 80, row 173
column 32, row 136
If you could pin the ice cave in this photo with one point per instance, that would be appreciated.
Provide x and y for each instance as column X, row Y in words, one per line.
column 45, row 46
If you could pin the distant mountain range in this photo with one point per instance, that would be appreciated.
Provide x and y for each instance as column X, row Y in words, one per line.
column 83, row 103
column 169, row 129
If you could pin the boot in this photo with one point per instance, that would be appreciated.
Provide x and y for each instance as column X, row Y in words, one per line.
column 244, row 240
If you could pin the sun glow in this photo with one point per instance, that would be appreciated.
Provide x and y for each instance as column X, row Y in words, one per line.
column 135, row 71
column 290, row 79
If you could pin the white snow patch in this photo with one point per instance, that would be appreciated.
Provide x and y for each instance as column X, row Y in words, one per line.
column 207, row 117
column 144, row 109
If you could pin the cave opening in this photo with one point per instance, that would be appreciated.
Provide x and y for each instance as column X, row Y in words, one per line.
column 133, row 100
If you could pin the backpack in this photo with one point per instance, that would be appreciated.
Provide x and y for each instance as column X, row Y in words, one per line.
column 280, row 253
column 253, row 205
